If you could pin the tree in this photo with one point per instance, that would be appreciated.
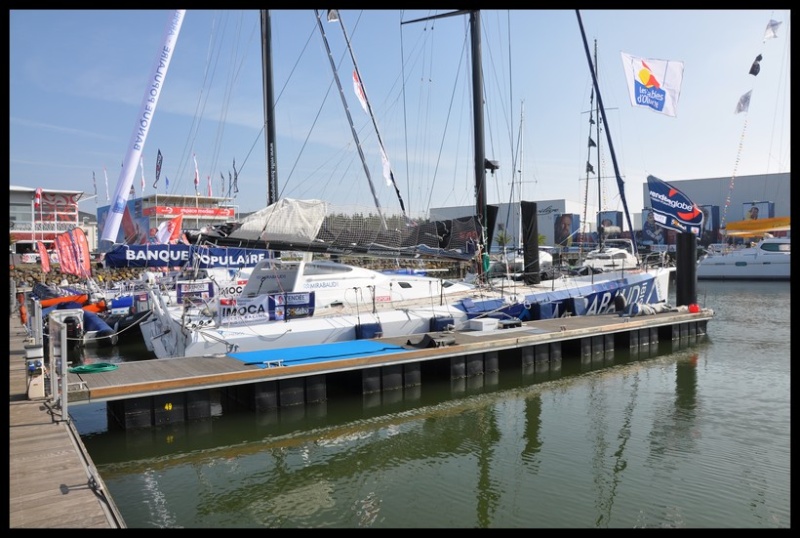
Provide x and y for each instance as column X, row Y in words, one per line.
column 503, row 238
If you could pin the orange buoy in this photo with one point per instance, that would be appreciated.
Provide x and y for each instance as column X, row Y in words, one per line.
column 23, row 311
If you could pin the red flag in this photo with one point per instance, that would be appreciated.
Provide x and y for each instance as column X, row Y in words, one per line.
column 169, row 231
column 84, row 261
column 37, row 198
column 66, row 257
column 45, row 258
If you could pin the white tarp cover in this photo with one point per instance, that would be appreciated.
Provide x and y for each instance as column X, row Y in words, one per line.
column 286, row 220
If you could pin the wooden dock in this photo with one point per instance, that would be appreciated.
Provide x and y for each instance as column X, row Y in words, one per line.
column 52, row 481
column 166, row 391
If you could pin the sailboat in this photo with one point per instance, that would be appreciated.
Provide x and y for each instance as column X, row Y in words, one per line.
column 281, row 307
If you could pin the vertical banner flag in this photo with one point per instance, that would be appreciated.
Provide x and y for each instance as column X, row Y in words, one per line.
column 142, row 126
column 359, row 89
column 672, row 209
column 166, row 179
column 230, row 182
column 222, row 184
column 82, row 257
column 66, row 255
column 655, row 84
column 37, row 198
column 141, row 165
column 44, row 257
column 105, row 172
column 196, row 173
column 235, row 177
column 158, row 168
column 209, row 192
column 94, row 184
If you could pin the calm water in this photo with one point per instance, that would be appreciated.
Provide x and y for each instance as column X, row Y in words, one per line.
column 698, row 437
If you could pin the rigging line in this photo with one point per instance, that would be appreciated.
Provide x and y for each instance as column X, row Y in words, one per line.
column 202, row 100
column 589, row 144
column 620, row 182
column 447, row 120
column 384, row 157
column 350, row 120
column 277, row 99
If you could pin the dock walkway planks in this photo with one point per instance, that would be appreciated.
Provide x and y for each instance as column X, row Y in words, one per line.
column 52, row 481
column 168, row 376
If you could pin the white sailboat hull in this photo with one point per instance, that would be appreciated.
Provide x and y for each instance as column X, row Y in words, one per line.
column 170, row 334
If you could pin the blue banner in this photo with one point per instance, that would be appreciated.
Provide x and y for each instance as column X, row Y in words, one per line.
column 181, row 255
column 672, row 209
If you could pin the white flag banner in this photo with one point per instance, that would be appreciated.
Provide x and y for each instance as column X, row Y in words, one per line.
column 744, row 103
column 387, row 168
column 772, row 29
column 654, row 84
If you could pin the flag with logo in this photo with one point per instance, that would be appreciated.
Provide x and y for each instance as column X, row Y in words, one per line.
column 654, row 84
column 169, row 231
column 672, row 209
column 37, row 198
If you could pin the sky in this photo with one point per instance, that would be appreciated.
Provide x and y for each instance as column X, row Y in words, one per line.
column 78, row 79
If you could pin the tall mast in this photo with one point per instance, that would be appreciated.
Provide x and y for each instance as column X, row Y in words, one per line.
column 477, row 120
column 269, row 107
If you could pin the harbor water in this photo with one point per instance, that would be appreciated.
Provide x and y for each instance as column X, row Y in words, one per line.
column 695, row 437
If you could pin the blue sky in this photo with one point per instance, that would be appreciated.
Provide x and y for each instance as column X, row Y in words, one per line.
column 78, row 77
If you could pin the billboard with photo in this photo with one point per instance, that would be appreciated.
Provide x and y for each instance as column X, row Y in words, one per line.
column 565, row 228
column 758, row 210
column 652, row 232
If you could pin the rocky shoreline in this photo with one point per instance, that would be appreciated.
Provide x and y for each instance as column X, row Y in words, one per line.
column 27, row 275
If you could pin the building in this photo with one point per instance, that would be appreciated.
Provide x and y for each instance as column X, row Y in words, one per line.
column 723, row 198
column 41, row 217
column 509, row 220
column 143, row 215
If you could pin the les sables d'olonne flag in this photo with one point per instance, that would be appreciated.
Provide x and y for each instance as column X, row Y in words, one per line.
column 169, row 231
column 654, row 84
